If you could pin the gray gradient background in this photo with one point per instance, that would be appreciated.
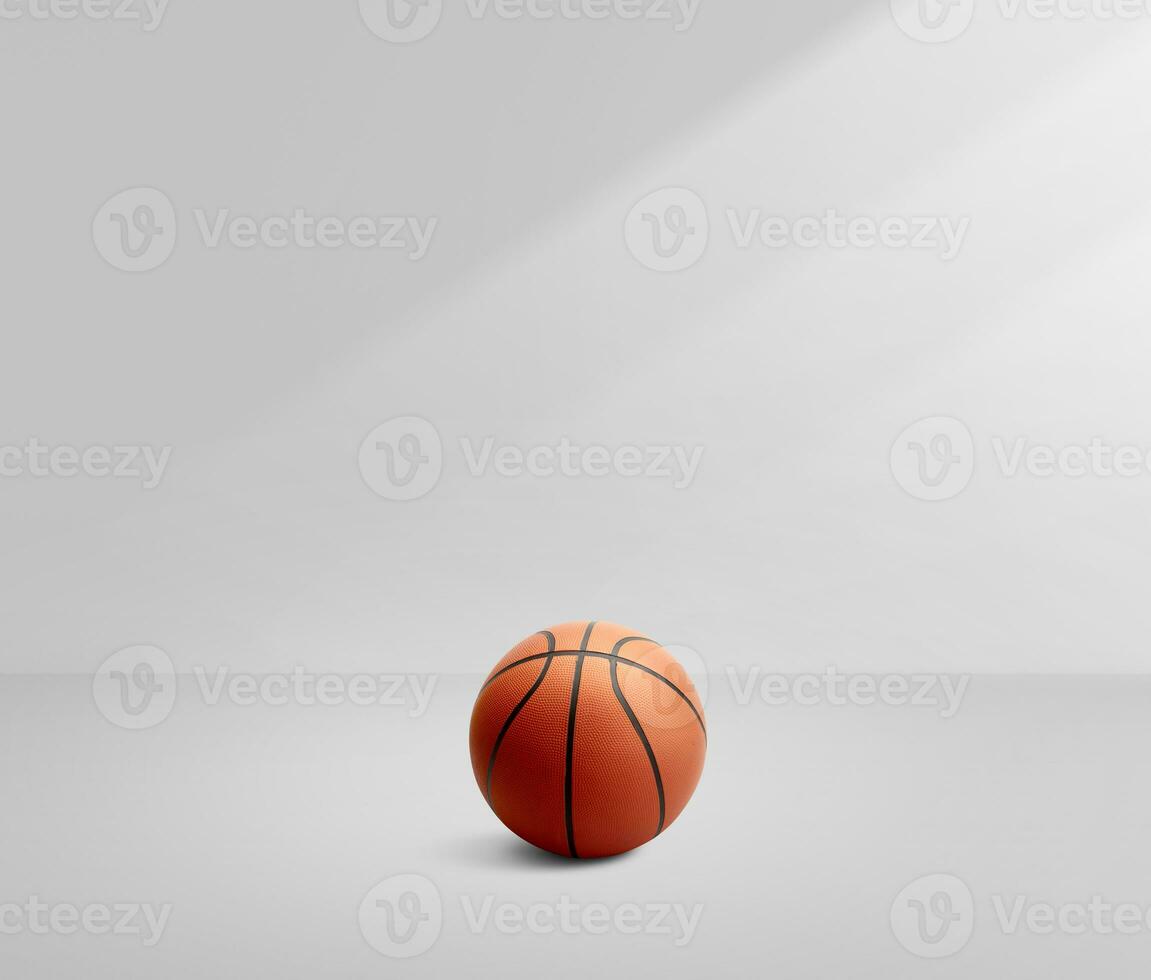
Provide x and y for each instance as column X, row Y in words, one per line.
column 795, row 549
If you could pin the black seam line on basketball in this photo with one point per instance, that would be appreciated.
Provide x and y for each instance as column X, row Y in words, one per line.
column 569, row 820
column 551, row 639
column 508, row 724
column 569, row 816
column 608, row 656
column 644, row 739
column 564, row 653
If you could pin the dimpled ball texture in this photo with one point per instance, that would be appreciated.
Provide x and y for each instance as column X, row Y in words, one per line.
column 588, row 739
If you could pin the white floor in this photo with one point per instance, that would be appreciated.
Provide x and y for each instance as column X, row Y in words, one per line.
column 264, row 828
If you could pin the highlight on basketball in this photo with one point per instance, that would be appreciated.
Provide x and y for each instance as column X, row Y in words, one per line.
column 588, row 739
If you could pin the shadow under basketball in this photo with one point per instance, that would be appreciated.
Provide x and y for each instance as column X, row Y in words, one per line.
column 505, row 850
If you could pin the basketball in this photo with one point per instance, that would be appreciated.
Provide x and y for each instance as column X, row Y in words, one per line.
column 588, row 739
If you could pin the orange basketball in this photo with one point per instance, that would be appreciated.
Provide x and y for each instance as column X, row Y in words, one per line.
column 588, row 740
